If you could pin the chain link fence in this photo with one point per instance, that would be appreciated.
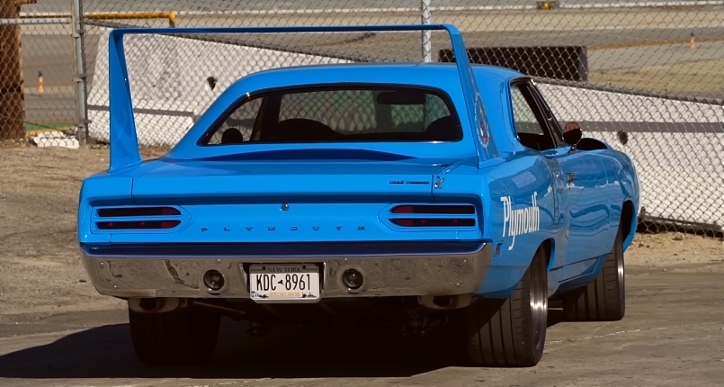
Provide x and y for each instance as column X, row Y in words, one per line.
column 37, row 90
column 645, row 77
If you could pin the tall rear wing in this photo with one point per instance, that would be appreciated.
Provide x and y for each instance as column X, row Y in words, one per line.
column 124, row 148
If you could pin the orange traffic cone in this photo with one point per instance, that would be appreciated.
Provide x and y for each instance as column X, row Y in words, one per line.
column 41, row 87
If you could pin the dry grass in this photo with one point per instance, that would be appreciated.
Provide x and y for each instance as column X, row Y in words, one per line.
column 696, row 78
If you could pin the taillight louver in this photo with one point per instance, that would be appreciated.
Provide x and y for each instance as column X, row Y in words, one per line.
column 137, row 218
column 442, row 215
column 143, row 225
column 406, row 222
column 434, row 209
column 137, row 211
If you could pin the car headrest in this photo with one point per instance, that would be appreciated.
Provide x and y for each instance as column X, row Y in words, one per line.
column 443, row 129
column 303, row 130
column 232, row 136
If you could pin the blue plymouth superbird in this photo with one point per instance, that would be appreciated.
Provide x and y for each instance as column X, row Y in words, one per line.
column 418, row 196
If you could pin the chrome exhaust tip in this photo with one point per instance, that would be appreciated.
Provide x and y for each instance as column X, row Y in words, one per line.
column 153, row 305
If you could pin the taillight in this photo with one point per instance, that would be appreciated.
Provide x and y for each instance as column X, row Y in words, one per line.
column 436, row 215
column 137, row 218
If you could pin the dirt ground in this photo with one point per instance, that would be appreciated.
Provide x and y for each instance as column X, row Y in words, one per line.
column 40, row 270
column 44, row 293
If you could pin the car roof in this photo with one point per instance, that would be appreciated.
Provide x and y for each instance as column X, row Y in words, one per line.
column 432, row 74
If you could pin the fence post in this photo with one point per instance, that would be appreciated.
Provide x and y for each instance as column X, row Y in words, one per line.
column 12, row 98
column 80, row 77
column 426, row 35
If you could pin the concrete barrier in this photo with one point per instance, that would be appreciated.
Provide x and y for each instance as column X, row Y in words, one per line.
column 170, row 85
column 677, row 147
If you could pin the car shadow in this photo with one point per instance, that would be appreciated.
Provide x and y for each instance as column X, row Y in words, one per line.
column 312, row 352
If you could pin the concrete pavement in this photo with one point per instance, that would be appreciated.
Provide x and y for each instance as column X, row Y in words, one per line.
column 671, row 336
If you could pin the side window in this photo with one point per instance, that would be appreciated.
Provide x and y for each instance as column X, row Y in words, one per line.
column 529, row 124
column 523, row 115
column 553, row 124
column 241, row 120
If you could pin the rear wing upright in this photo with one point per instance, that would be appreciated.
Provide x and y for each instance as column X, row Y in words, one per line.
column 124, row 147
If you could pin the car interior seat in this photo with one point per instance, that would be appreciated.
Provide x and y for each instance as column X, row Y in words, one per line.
column 304, row 130
column 232, row 136
column 443, row 129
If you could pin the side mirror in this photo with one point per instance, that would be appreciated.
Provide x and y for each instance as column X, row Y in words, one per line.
column 572, row 133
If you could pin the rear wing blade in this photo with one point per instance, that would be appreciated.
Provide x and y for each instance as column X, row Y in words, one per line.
column 124, row 150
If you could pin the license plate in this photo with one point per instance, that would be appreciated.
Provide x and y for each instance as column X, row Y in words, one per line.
column 284, row 282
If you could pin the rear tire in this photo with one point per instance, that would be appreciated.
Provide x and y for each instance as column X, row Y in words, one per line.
column 183, row 337
column 604, row 299
column 511, row 332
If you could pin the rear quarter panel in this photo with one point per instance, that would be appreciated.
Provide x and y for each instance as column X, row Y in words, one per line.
column 522, row 181
column 523, row 213
column 98, row 190
column 623, row 186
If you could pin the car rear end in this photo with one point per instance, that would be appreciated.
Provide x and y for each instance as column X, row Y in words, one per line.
column 286, row 232
column 344, row 200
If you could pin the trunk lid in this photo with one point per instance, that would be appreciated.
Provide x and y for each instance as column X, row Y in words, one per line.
column 294, row 201
column 276, row 180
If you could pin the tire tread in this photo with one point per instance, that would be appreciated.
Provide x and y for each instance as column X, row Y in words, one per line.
column 498, row 331
column 184, row 336
column 600, row 300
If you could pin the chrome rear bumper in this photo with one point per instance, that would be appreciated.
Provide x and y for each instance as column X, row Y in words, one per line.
column 385, row 275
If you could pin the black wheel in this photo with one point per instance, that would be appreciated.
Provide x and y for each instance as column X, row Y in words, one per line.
column 185, row 336
column 604, row 299
column 511, row 332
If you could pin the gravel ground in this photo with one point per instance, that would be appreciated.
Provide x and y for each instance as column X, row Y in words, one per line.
column 40, row 270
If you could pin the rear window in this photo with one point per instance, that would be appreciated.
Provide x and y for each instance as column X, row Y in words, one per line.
column 339, row 114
